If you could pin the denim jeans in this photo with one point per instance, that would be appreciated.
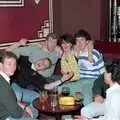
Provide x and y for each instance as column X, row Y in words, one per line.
column 83, row 86
column 23, row 94
column 26, row 96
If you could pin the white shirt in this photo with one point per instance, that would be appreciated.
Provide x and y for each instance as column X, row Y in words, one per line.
column 5, row 76
column 112, row 104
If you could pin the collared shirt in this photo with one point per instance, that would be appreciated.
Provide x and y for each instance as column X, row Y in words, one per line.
column 112, row 104
column 5, row 76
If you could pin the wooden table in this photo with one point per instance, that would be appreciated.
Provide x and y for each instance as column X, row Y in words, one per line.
column 57, row 111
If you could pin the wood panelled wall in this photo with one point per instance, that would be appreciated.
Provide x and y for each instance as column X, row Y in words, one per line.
column 69, row 16
column 92, row 15
column 18, row 22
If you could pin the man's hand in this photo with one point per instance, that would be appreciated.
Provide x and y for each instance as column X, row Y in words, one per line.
column 41, row 64
column 28, row 111
column 99, row 99
column 23, row 42
column 78, row 117
column 90, row 58
column 90, row 49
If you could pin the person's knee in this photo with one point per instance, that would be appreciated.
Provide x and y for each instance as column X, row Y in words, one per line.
column 85, row 111
column 34, row 110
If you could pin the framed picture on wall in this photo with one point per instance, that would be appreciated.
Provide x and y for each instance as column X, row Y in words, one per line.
column 11, row 3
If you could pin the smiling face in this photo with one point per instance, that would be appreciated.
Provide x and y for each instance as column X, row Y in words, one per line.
column 81, row 43
column 51, row 43
column 8, row 66
column 42, row 64
column 66, row 47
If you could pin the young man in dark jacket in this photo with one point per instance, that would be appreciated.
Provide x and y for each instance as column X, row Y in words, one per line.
column 9, row 107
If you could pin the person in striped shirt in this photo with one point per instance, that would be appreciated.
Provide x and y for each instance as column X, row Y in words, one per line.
column 89, row 70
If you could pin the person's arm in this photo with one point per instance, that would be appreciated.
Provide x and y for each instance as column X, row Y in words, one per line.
column 101, row 64
column 52, row 85
column 90, row 49
column 22, row 42
column 98, row 61
column 42, row 64
column 20, row 48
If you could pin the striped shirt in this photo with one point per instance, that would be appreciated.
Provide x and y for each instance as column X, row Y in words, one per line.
column 91, row 70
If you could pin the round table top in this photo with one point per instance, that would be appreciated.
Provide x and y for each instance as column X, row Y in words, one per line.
column 46, row 107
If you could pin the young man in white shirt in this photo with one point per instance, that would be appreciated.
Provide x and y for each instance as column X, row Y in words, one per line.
column 112, row 107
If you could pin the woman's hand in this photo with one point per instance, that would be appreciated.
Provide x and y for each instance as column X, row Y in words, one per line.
column 66, row 77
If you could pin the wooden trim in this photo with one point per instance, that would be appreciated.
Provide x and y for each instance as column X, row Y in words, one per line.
column 5, row 45
column 11, row 3
column 50, row 21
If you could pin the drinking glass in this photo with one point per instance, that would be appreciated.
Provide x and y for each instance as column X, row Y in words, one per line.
column 78, row 97
column 54, row 98
column 43, row 97
column 65, row 91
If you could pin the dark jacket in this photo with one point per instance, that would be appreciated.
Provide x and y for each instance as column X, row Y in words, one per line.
column 8, row 101
column 25, row 76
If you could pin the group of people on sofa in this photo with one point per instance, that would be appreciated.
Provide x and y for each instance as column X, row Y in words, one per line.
column 81, row 65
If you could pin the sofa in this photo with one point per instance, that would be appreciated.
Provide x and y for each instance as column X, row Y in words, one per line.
column 110, row 50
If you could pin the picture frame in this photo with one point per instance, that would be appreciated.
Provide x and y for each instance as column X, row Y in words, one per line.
column 11, row 3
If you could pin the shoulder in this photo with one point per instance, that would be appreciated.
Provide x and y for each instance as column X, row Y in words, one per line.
column 114, row 95
column 2, row 80
column 96, row 53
